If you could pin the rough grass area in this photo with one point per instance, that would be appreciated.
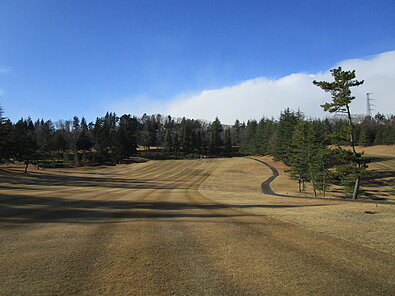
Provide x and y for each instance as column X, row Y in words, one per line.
column 378, row 185
column 238, row 180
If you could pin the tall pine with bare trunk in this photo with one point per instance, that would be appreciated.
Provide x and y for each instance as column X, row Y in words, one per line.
column 341, row 100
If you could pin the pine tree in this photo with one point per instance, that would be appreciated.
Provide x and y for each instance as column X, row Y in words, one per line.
column 284, row 134
column 318, row 156
column 126, row 137
column 25, row 146
column 6, row 134
column 84, row 140
column 215, row 136
column 148, row 132
column 43, row 132
column 270, row 128
column 261, row 137
column 105, row 137
column 185, row 135
column 237, row 132
column 58, row 142
column 249, row 140
column 228, row 141
column 341, row 100
column 299, row 156
column 167, row 142
column 197, row 142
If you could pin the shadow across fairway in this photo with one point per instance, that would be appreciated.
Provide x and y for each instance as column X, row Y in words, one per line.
column 31, row 209
column 373, row 159
column 17, row 180
column 378, row 178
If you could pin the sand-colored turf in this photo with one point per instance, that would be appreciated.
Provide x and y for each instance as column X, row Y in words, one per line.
column 186, row 227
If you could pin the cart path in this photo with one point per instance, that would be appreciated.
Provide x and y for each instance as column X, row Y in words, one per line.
column 153, row 233
column 266, row 188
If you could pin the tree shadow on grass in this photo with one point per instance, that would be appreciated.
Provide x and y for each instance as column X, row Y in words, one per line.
column 42, row 179
column 379, row 178
column 33, row 209
column 379, row 158
column 379, row 185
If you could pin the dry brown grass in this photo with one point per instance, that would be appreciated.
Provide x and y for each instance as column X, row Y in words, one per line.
column 186, row 227
column 238, row 179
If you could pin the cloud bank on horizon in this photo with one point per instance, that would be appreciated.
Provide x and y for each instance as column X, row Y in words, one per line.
column 258, row 97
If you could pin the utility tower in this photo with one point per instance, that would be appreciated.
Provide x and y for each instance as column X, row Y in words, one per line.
column 369, row 105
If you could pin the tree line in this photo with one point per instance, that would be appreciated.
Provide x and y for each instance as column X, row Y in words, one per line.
column 300, row 142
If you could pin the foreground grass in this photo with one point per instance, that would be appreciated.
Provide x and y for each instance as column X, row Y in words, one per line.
column 185, row 227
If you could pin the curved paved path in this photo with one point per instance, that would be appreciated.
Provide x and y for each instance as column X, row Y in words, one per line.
column 266, row 188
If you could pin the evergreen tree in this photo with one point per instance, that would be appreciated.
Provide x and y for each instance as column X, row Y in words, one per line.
column 176, row 144
column 341, row 100
column 318, row 156
column 167, row 142
column 249, row 141
column 299, row 157
column 284, row 133
column 43, row 132
column 261, row 138
column 58, row 142
column 84, row 141
column 389, row 135
column 215, row 136
column 25, row 146
column 197, row 141
column 6, row 137
column 148, row 132
column 237, row 133
column 228, row 141
column 105, row 136
column 269, row 129
column 126, row 137
column 76, row 123
column 185, row 135
column 362, row 138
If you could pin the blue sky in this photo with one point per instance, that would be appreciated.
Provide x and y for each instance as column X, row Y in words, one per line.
column 64, row 58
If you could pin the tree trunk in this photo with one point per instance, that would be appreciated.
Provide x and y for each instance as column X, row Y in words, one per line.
column 27, row 164
column 315, row 192
column 83, row 158
column 76, row 161
column 356, row 188
column 352, row 140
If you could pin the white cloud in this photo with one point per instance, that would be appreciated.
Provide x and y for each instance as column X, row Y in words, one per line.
column 265, row 97
column 2, row 91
